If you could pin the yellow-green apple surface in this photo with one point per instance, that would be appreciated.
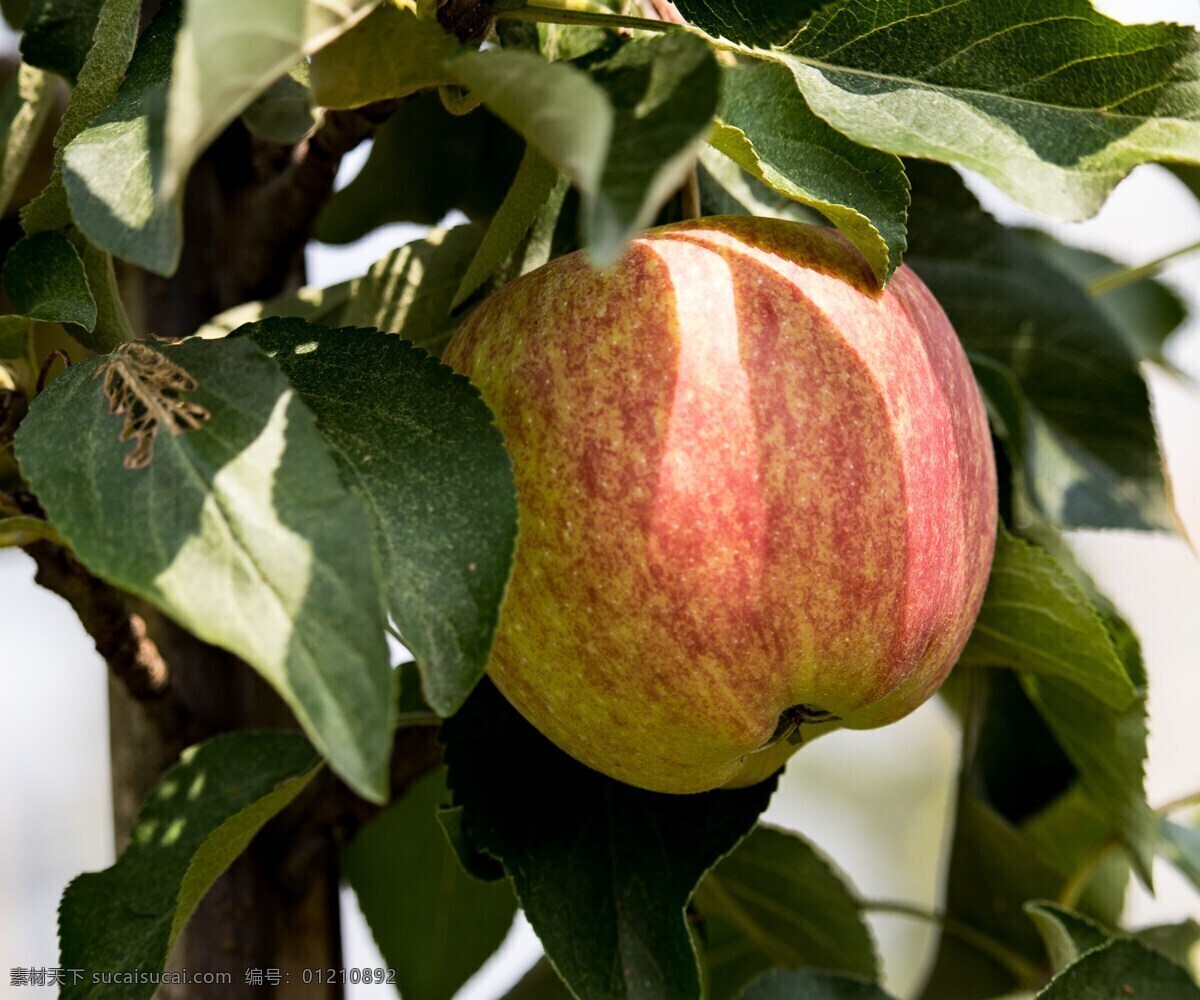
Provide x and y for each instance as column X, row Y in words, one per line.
column 756, row 495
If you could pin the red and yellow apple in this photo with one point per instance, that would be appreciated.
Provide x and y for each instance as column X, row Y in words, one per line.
column 755, row 493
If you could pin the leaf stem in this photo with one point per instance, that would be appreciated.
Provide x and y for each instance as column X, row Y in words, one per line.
column 588, row 18
column 1131, row 275
column 1026, row 971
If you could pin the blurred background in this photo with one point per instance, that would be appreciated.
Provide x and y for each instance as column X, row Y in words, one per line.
column 874, row 802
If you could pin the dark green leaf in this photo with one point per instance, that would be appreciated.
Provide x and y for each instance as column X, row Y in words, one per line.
column 15, row 12
column 99, row 80
column 532, row 187
column 809, row 985
column 15, row 332
column 540, row 983
column 409, row 292
column 765, row 126
column 44, row 279
column 1108, row 747
column 203, row 814
column 58, row 34
column 393, row 53
column 434, row 924
column 603, row 870
column 776, row 901
column 416, row 443
column 726, row 189
column 284, row 112
column 1119, row 970
column 1181, row 846
column 25, row 104
column 1146, row 312
column 1090, row 448
column 1036, row 618
column 110, row 168
column 1067, row 934
column 397, row 186
column 228, row 513
column 1054, row 103
column 752, row 22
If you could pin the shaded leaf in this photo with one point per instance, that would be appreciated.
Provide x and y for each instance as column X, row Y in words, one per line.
column 317, row 305
column 241, row 530
column 228, row 53
column 1090, row 451
column 1145, row 312
column 1054, row 104
column 726, row 189
column 1108, row 747
column 1035, row 617
column 58, row 33
column 1178, row 942
column 25, row 104
column 203, row 814
column 434, row 924
column 812, row 985
column 45, row 280
column 416, row 443
column 397, row 186
column 532, row 187
column 99, row 80
column 777, row 902
column 765, row 126
column 603, row 870
column 1122, row 969
column 409, row 292
column 392, row 53
column 284, row 112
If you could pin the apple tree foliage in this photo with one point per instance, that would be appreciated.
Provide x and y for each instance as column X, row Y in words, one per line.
column 303, row 474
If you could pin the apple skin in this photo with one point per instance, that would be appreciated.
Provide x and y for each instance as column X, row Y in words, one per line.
column 748, row 481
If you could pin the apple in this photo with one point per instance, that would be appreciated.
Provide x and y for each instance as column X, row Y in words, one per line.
column 757, row 497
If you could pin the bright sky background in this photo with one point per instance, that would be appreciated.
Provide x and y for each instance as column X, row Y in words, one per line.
column 873, row 801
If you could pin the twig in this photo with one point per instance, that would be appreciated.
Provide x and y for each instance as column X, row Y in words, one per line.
column 1132, row 275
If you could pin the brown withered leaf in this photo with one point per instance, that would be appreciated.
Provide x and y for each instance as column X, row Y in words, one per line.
column 147, row 389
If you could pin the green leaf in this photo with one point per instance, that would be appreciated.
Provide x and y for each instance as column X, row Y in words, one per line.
column 19, row 531
column 1145, row 312
column 752, row 22
column 99, row 80
column 765, row 126
column 1108, row 747
column 284, row 112
column 1122, row 969
column 391, row 54
column 228, row 53
column 416, row 443
column 15, row 12
column 1067, row 934
column 811, row 985
column 603, row 870
column 110, row 168
column 232, row 518
column 1181, row 846
column 1178, row 942
column 45, row 280
column 396, row 186
column 1036, row 618
column 203, row 814
column 25, row 104
column 409, row 292
column 531, row 189
column 58, row 33
column 626, row 132
column 1090, row 448
column 776, row 901
column 1054, row 103
column 434, row 924
column 15, row 332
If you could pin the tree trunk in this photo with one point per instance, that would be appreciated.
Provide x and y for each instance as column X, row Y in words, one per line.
column 257, row 916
